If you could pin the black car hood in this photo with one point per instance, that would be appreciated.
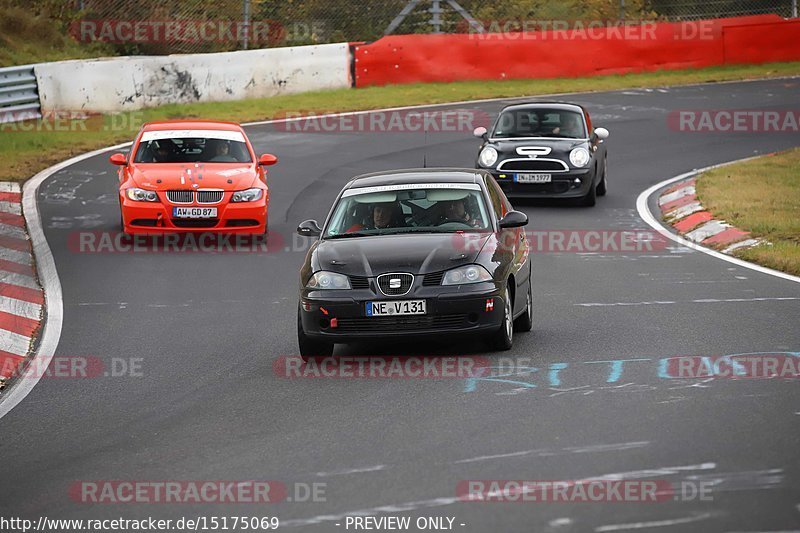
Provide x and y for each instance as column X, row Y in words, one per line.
column 558, row 146
column 416, row 254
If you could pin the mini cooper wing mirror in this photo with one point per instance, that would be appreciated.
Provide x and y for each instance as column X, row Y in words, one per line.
column 479, row 132
column 601, row 133
column 513, row 219
column 118, row 159
column 309, row 228
column 267, row 159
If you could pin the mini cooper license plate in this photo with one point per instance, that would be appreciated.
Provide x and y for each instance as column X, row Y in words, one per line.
column 533, row 178
column 396, row 307
column 194, row 212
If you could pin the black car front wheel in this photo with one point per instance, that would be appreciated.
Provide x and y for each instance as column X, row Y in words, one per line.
column 504, row 338
column 525, row 321
column 311, row 347
column 602, row 187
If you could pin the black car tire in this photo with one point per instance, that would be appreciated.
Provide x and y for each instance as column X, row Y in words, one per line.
column 504, row 338
column 602, row 187
column 525, row 321
column 311, row 347
column 590, row 199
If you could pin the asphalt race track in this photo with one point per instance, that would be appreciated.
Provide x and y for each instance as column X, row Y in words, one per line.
column 206, row 328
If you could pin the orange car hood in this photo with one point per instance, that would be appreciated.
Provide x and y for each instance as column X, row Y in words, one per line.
column 227, row 176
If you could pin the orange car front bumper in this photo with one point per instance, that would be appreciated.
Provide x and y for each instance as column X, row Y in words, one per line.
column 153, row 218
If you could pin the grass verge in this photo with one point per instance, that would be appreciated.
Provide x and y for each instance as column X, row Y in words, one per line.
column 761, row 196
column 26, row 148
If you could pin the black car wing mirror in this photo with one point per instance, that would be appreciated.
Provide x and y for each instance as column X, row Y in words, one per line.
column 513, row 219
column 480, row 132
column 309, row 228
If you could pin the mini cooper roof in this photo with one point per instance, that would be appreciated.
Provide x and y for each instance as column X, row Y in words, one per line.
column 417, row 175
column 551, row 105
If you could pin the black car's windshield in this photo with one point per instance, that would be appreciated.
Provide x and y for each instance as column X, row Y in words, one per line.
column 539, row 122
column 192, row 146
column 420, row 208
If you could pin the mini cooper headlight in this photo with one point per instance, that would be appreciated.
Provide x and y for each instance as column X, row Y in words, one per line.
column 488, row 157
column 466, row 274
column 328, row 280
column 141, row 195
column 250, row 195
column 579, row 157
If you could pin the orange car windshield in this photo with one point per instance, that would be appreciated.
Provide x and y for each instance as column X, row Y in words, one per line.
column 192, row 150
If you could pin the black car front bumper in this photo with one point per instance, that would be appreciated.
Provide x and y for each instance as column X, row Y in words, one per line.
column 563, row 185
column 342, row 317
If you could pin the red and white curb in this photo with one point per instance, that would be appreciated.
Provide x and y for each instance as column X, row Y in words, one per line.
column 681, row 209
column 643, row 202
column 21, row 296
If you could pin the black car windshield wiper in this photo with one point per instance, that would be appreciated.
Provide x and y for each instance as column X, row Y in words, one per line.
column 349, row 235
column 414, row 230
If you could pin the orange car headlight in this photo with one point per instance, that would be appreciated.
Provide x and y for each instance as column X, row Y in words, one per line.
column 141, row 195
column 250, row 195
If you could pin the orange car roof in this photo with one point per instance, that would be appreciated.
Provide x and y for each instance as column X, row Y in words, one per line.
column 192, row 124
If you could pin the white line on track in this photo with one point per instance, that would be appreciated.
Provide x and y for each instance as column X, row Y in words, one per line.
column 644, row 211
column 14, row 343
column 16, row 256
column 11, row 207
column 698, row 301
column 20, row 308
column 12, row 278
column 655, row 523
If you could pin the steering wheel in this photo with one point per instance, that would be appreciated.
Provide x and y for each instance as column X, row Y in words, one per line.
column 454, row 221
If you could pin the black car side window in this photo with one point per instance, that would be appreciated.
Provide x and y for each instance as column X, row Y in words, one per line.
column 496, row 196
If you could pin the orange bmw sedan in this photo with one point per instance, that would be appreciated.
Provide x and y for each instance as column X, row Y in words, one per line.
column 193, row 176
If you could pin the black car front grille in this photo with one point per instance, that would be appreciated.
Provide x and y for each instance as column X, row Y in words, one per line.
column 396, row 283
column 359, row 282
column 400, row 323
column 432, row 278
column 534, row 165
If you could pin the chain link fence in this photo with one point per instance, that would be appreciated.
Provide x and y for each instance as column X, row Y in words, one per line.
column 131, row 27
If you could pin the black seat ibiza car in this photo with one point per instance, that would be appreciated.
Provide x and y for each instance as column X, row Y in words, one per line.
column 415, row 253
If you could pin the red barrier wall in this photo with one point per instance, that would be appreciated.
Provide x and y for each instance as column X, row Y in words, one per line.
column 578, row 52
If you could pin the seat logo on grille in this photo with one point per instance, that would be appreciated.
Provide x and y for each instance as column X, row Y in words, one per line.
column 394, row 283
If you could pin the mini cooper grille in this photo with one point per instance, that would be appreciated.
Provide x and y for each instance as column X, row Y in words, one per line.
column 180, row 197
column 400, row 323
column 359, row 282
column 433, row 278
column 395, row 284
column 209, row 197
column 534, row 164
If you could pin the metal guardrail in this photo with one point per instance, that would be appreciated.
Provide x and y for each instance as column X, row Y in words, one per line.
column 19, row 94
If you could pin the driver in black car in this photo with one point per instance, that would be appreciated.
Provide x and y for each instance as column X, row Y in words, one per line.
column 456, row 211
column 384, row 215
column 570, row 126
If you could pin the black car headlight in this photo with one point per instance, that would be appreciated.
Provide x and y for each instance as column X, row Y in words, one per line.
column 466, row 274
column 488, row 157
column 141, row 195
column 328, row 280
column 579, row 157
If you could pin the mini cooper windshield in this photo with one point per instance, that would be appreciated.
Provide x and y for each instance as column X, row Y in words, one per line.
column 419, row 208
column 539, row 122
column 192, row 146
